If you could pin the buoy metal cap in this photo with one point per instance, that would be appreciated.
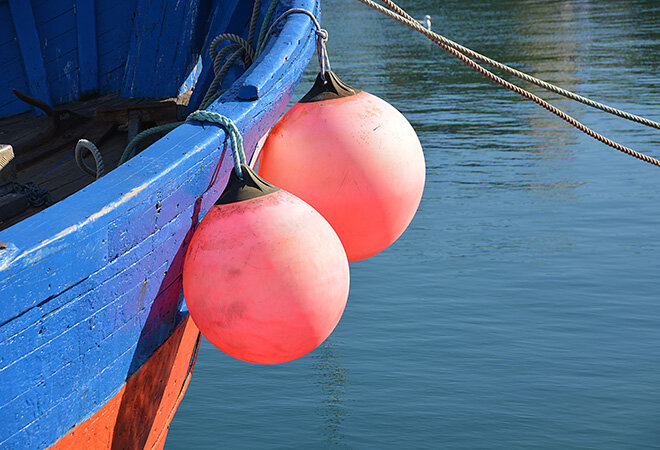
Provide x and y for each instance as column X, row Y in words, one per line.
column 251, row 186
column 327, row 89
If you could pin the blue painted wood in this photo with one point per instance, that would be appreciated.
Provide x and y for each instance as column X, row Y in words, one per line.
column 161, row 38
column 259, row 82
column 87, row 50
column 28, row 40
column 52, row 9
column 12, row 66
column 114, row 22
column 56, row 27
column 91, row 286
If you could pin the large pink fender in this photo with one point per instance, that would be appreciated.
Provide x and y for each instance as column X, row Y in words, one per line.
column 265, row 279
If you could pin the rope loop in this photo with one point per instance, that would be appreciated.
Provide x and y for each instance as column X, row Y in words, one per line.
column 322, row 34
column 240, row 48
column 84, row 144
column 244, row 45
column 322, row 51
column 233, row 134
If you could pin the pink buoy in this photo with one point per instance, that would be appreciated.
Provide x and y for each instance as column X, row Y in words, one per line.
column 265, row 278
column 354, row 158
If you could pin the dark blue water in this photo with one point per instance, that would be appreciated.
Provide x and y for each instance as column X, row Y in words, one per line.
column 521, row 309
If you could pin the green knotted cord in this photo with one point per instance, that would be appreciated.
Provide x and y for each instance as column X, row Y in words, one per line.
column 232, row 132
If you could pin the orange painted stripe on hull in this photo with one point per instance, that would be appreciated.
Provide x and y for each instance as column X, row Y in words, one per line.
column 139, row 416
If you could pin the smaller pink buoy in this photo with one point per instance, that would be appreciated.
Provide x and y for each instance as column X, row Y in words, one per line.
column 354, row 158
column 265, row 278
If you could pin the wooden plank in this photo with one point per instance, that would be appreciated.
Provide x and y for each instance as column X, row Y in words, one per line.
column 51, row 9
column 61, row 62
column 6, row 26
column 66, row 321
column 116, row 340
column 91, row 316
column 51, row 165
column 12, row 67
column 162, row 111
column 184, row 57
column 141, row 59
column 87, row 51
column 56, row 26
column 10, row 105
column 154, row 392
column 54, row 19
column 161, row 38
column 178, row 25
column 28, row 41
column 114, row 23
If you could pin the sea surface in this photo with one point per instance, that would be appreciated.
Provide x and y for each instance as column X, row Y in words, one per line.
column 521, row 309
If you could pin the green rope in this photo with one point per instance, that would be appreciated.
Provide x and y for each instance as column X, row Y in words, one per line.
column 253, row 21
column 132, row 146
column 232, row 132
column 201, row 116
column 266, row 22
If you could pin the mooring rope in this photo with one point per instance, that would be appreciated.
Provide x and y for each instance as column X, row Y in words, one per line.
column 522, row 75
column 264, row 24
column 132, row 147
column 200, row 116
column 253, row 21
column 403, row 18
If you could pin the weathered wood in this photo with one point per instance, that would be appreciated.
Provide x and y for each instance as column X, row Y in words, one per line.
column 7, row 165
column 47, row 160
column 34, row 138
column 28, row 41
column 138, row 416
column 162, row 36
column 56, row 27
column 150, row 111
column 87, row 50
column 114, row 21
column 59, row 118
column 11, row 62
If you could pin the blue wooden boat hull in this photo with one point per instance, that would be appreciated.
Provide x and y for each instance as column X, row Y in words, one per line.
column 90, row 288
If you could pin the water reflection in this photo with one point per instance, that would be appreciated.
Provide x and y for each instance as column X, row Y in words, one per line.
column 333, row 381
